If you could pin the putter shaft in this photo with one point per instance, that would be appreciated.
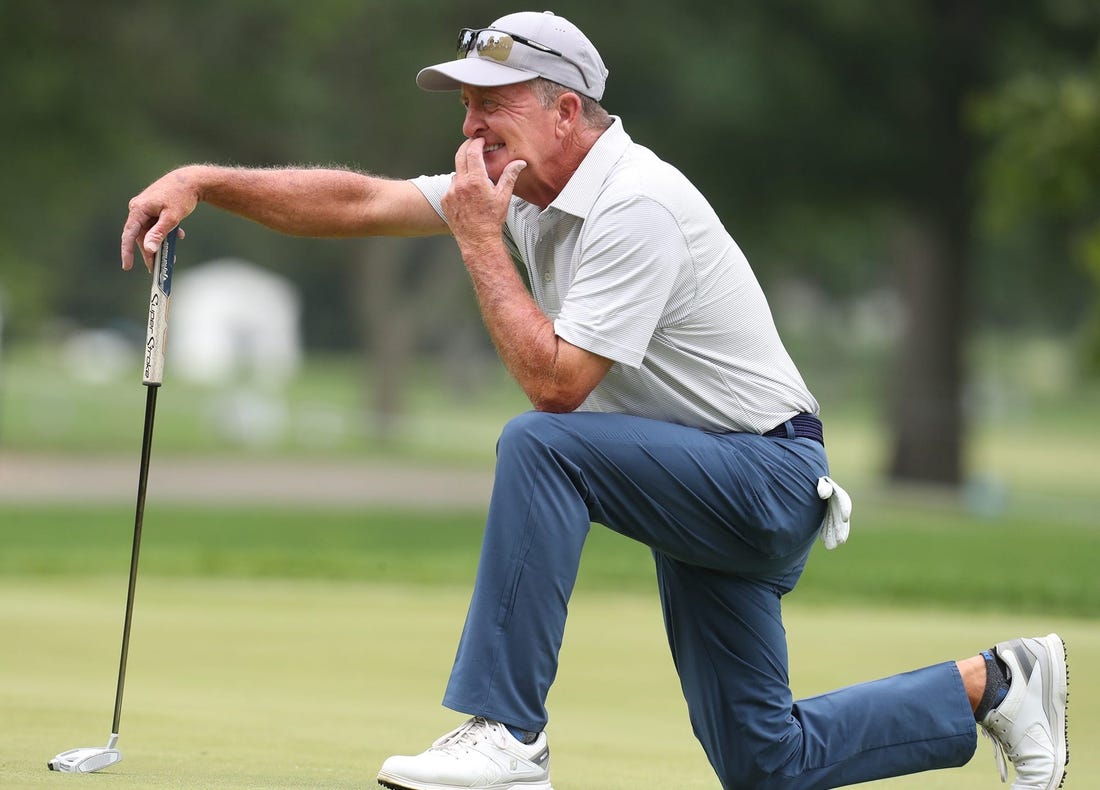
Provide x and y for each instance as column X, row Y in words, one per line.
column 139, row 514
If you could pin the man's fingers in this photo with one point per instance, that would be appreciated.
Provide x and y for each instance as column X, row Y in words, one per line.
column 142, row 231
column 507, row 181
column 135, row 234
column 130, row 232
column 159, row 232
column 156, row 235
column 462, row 161
column 475, row 157
column 470, row 158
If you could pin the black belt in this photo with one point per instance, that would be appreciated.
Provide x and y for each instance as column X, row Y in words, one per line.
column 800, row 426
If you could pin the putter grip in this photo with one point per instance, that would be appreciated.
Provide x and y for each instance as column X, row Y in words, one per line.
column 157, row 330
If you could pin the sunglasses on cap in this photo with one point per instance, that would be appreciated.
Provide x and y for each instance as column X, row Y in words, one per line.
column 497, row 45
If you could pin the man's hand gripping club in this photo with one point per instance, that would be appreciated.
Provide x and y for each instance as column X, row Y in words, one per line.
column 154, row 212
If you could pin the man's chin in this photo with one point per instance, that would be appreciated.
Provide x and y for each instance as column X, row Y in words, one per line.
column 496, row 162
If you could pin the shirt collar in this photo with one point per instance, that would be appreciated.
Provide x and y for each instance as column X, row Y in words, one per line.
column 584, row 185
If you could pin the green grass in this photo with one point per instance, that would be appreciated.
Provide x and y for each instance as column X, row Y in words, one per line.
column 919, row 555
column 298, row 647
column 899, row 555
column 295, row 683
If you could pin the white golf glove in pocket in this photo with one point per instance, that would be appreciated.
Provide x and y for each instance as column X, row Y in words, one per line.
column 838, row 513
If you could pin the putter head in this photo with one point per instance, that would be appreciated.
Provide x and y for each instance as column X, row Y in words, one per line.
column 86, row 760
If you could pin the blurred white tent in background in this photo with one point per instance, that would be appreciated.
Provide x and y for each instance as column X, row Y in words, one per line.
column 235, row 326
column 233, row 321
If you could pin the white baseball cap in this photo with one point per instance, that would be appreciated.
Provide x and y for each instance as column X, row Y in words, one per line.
column 517, row 48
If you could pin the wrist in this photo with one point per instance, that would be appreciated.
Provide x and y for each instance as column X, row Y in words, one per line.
column 479, row 248
column 198, row 180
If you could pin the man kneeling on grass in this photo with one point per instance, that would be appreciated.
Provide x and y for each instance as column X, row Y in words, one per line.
column 665, row 408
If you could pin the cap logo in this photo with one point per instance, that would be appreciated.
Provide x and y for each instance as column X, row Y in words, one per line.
column 497, row 47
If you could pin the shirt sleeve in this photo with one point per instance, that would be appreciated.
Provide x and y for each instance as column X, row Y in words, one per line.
column 434, row 188
column 632, row 256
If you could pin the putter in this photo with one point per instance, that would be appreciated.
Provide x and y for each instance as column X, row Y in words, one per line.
column 95, row 758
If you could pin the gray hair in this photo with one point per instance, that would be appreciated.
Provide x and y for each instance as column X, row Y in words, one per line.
column 548, row 91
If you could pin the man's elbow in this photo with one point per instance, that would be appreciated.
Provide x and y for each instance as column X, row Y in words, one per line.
column 557, row 400
column 566, row 384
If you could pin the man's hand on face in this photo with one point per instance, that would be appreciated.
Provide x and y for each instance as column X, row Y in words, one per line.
column 476, row 207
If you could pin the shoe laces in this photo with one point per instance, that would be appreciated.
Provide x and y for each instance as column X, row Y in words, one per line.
column 1000, row 758
column 468, row 735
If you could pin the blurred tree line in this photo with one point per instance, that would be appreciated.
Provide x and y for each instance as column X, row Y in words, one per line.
column 944, row 150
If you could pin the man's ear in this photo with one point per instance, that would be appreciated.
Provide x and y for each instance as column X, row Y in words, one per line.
column 570, row 109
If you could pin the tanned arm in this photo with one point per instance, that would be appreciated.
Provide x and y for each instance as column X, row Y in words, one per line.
column 302, row 201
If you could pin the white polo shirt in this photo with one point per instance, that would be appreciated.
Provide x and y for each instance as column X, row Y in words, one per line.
column 631, row 263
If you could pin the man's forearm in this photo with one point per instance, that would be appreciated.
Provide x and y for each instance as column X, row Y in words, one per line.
column 523, row 335
column 302, row 202
column 555, row 375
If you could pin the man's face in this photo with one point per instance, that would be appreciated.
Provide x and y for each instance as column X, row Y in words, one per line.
column 514, row 125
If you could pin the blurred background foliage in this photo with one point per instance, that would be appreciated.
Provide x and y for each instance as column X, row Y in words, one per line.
column 917, row 184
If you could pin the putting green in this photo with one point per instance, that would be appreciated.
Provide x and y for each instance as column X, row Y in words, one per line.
column 268, row 684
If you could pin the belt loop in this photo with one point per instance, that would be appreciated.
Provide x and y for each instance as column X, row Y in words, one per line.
column 789, row 426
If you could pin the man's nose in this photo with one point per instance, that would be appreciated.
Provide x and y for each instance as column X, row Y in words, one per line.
column 473, row 123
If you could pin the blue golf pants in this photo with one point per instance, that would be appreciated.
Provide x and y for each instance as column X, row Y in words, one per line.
column 730, row 519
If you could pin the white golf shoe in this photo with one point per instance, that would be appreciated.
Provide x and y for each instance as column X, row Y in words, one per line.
column 479, row 755
column 1029, row 726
